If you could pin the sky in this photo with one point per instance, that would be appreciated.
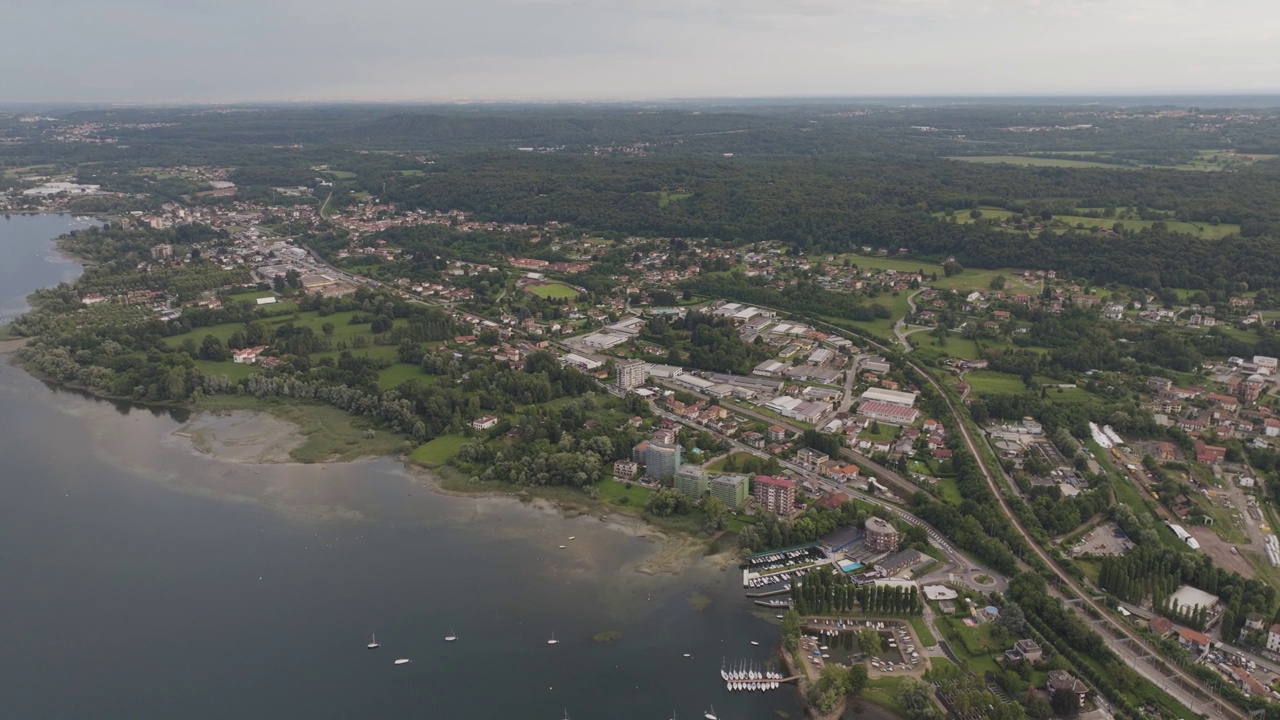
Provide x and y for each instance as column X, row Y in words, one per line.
column 440, row 50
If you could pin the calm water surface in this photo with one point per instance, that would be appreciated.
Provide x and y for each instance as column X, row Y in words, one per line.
column 139, row 579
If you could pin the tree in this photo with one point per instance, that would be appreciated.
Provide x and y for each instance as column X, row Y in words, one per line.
column 327, row 329
column 717, row 518
column 975, row 214
column 998, row 282
column 857, row 679
column 791, row 630
column 212, row 349
column 1065, row 702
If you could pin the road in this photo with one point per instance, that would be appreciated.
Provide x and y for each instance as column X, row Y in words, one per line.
column 901, row 324
column 965, row 568
column 1180, row 684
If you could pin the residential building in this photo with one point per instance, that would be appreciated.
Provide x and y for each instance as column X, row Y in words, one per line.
column 661, row 460
column 640, row 453
column 1063, row 680
column 729, row 489
column 1273, row 638
column 631, row 374
column 775, row 494
column 810, row 458
column 625, row 469
column 484, row 422
column 1025, row 651
column 690, row 480
column 881, row 535
column 1197, row 642
column 777, row 434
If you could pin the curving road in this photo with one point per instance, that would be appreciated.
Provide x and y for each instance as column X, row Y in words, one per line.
column 1130, row 646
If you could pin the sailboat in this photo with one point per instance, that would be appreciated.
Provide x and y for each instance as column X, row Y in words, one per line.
column 711, row 714
column 451, row 636
column 553, row 640
column 373, row 642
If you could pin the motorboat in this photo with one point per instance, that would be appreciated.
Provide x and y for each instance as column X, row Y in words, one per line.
column 403, row 661
column 753, row 642
column 373, row 642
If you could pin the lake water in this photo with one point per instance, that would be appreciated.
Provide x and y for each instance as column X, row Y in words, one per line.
column 28, row 260
column 140, row 579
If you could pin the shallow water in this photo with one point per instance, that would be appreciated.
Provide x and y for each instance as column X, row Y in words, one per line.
column 144, row 579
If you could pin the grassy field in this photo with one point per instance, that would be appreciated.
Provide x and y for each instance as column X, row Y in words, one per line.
column 235, row 371
column 438, row 451
column 331, row 434
column 988, row 382
column 1038, row 161
column 949, row 491
column 341, row 174
column 1065, row 222
column 956, row 346
column 884, row 692
column 665, row 198
column 553, row 290
column 249, row 295
column 399, row 373
column 613, row 492
column 922, row 632
column 718, row 465
column 972, row 645
column 342, row 327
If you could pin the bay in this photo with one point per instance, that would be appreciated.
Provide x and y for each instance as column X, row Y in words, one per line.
column 143, row 579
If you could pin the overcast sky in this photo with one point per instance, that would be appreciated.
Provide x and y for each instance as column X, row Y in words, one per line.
column 238, row 50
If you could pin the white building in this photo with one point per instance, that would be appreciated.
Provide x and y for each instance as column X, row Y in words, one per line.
column 895, row 397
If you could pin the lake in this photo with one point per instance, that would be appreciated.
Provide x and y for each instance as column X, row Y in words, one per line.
column 142, row 579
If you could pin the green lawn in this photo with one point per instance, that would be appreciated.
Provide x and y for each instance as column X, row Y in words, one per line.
column 613, row 492
column 1038, row 161
column 234, row 371
column 1064, row 222
column 989, row 382
column 949, row 491
column 553, row 290
column 955, row 346
column 922, row 632
column 342, row 327
column 884, row 692
column 665, row 198
column 249, row 295
column 972, row 645
column 718, row 465
column 438, row 451
column 399, row 373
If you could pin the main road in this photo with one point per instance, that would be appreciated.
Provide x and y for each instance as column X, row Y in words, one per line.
column 1131, row 647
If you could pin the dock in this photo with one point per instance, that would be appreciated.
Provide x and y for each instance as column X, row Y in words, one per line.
column 769, row 593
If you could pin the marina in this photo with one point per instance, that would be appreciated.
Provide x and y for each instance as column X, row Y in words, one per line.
column 747, row 677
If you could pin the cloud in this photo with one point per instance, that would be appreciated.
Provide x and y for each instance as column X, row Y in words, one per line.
column 542, row 49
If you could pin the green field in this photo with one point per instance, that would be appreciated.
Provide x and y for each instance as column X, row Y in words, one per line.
column 665, row 198
column 341, row 174
column 399, row 373
column 1038, row 161
column 249, row 295
column 438, row 451
column 617, row 493
column 234, row 371
column 922, row 632
column 987, row 382
column 554, row 290
column 718, row 465
column 1065, row 222
column 342, row 327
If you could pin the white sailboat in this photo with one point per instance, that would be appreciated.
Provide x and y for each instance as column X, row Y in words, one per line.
column 403, row 661
column 451, row 636
column 553, row 640
column 711, row 714
column 373, row 642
